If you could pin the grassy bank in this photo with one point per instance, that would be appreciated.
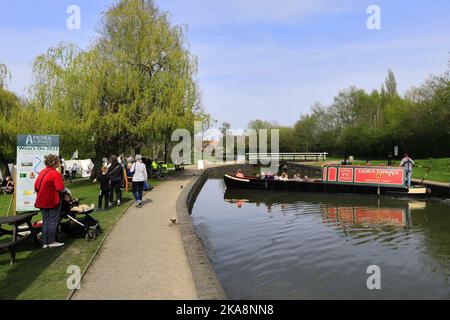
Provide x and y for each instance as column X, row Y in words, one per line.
column 41, row 274
column 440, row 168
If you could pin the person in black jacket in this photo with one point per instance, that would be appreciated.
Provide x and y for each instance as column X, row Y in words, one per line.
column 115, row 173
column 104, row 182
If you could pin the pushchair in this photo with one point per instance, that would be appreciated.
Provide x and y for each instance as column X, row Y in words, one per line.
column 79, row 220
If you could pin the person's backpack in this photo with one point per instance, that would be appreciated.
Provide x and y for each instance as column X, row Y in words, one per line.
column 116, row 174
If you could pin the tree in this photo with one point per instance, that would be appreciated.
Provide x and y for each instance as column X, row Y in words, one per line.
column 369, row 125
column 224, row 127
column 391, row 84
column 4, row 75
column 9, row 105
column 305, row 132
column 132, row 87
column 258, row 124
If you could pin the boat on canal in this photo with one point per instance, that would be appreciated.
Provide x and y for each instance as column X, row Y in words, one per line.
column 371, row 180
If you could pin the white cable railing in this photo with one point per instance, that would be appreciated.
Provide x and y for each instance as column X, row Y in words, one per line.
column 302, row 156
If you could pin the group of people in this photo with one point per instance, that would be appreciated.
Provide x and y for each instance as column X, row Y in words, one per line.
column 7, row 185
column 268, row 176
column 111, row 180
column 49, row 185
column 406, row 162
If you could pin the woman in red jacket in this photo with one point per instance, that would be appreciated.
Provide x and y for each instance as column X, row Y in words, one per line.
column 48, row 185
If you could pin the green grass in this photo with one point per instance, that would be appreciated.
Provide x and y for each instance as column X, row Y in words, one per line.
column 41, row 274
column 440, row 168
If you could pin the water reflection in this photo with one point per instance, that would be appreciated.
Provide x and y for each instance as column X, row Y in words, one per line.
column 295, row 246
column 359, row 215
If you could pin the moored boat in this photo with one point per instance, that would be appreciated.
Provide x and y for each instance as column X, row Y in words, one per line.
column 338, row 179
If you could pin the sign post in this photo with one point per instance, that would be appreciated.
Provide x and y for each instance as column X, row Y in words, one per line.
column 31, row 150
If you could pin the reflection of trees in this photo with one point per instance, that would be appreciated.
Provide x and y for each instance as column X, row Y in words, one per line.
column 434, row 225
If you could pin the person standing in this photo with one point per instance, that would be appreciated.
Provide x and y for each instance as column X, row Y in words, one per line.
column 74, row 171
column 389, row 160
column 408, row 163
column 104, row 181
column 139, row 171
column 115, row 173
column 48, row 186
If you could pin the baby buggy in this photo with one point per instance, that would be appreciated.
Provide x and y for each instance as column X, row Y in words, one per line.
column 79, row 221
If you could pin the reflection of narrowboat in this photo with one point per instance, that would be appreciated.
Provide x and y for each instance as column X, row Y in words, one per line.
column 338, row 179
column 344, row 209
column 366, row 215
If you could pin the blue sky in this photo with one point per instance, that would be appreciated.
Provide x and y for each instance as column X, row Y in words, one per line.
column 268, row 59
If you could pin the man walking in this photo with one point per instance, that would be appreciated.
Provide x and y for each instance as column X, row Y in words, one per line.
column 408, row 163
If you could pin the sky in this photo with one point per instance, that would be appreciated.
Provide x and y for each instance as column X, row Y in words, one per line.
column 265, row 59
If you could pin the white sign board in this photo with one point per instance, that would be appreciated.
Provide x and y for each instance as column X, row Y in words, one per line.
column 201, row 164
column 31, row 150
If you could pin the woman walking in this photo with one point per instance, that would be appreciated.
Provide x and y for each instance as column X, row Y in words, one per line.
column 139, row 177
column 115, row 173
column 48, row 185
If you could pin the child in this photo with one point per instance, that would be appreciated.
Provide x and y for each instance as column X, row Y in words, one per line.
column 104, row 181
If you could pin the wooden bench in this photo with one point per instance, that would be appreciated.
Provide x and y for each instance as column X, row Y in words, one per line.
column 15, row 233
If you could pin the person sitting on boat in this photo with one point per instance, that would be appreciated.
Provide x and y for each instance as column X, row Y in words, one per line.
column 306, row 179
column 408, row 163
column 284, row 176
column 239, row 174
column 269, row 176
column 296, row 177
column 368, row 163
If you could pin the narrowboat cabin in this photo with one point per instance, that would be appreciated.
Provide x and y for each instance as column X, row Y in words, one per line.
column 375, row 180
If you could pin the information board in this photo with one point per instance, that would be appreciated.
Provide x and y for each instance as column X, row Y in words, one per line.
column 31, row 150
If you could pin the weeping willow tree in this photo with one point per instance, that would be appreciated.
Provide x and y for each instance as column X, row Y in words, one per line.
column 9, row 104
column 132, row 87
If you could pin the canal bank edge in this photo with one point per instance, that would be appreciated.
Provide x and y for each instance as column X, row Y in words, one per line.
column 205, row 279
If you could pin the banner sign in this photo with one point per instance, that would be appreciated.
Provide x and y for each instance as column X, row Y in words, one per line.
column 380, row 176
column 31, row 150
column 345, row 174
column 365, row 175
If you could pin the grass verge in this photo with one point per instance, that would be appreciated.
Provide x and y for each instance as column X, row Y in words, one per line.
column 42, row 274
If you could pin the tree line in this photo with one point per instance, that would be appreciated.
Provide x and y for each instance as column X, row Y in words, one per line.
column 126, row 92
column 369, row 125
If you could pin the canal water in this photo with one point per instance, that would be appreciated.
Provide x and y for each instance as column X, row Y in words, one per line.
column 266, row 245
